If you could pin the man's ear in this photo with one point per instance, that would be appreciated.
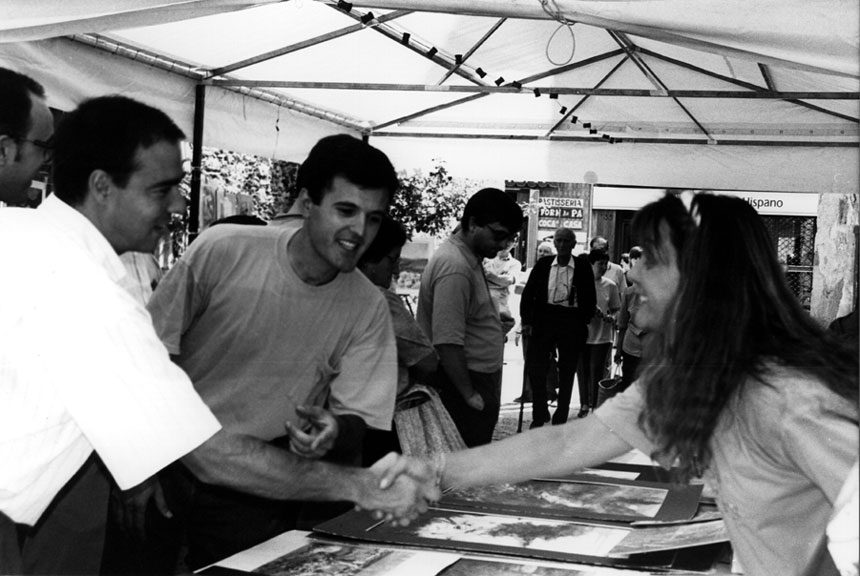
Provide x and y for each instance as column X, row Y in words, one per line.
column 100, row 185
column 305, row 201
column 8, row 150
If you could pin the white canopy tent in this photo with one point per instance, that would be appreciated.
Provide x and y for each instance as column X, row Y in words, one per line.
column 742, row 95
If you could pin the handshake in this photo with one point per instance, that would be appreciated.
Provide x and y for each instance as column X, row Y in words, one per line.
column 400, row 488
column 396, row 488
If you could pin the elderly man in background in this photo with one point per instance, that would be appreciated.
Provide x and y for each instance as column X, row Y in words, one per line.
column 556, row 306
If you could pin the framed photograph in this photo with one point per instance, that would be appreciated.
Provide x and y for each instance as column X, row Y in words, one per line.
column 541, row 538
column 581, row 497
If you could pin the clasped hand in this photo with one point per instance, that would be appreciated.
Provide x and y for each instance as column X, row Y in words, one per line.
column 318, row 436
column 402, row 489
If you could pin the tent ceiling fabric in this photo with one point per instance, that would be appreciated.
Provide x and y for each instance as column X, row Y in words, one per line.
column 752, row 74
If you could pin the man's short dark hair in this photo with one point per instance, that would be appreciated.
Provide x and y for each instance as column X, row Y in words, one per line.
column 105, row 134
column 492, row 205
column 391, row 235
column 346, row 156
column 598, row 255
column 635, row 253
column 15, row 102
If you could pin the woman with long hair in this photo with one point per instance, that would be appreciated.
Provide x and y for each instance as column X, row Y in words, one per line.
column 740, row 385
column 747, row 389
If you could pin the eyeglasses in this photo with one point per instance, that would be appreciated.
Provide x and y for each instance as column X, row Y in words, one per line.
column 500, row 234
column 47, row 146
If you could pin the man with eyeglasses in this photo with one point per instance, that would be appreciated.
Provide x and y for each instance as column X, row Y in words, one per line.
column 457, row 312
column 557, row 304
column 26, row 130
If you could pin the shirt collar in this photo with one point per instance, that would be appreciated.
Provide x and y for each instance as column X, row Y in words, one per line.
column 82, row 232
column 569, row 262
column 470, row 256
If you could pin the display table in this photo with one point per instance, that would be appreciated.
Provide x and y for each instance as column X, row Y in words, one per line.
column 403, row 561
column 355, row 545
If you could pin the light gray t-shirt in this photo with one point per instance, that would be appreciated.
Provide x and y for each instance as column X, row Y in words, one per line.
column 257, row 341
column 455, row 306
column 781, row 452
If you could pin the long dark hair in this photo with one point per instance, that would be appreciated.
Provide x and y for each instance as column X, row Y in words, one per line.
column 733, row 314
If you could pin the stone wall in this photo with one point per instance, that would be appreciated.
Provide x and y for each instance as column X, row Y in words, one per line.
column 834, row 281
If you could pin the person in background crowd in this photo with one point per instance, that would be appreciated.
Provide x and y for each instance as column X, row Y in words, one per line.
column 630, row 340
column 26, row 131
column 416, row 357
column 279, row 333
column 545, row 248
column 614, row 271
column 633, row 257
column 556, row 306
column 601, row 333
column 502, row 272
column 760, row 399
column 460, row 317
column 422, row 426
column 143, row 272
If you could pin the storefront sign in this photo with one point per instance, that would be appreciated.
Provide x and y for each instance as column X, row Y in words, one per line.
column 765, row 203
column 557, row 212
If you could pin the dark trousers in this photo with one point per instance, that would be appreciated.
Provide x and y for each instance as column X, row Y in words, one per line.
column 10, row 547
column 475, row 427
column 592, row 369
column 560, row 329
column 70, row 535
column 629, row 370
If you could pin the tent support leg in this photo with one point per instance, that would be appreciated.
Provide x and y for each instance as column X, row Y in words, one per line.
column 196, row 161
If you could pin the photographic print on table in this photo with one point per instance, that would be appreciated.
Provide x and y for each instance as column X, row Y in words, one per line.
column 672, row 537
column 583, row 497
column 543, row 538
column 325, row 559
column 478, row 567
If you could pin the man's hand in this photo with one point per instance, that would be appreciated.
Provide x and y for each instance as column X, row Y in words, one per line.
column 319, row 436
column 475, row 401
column 402, row 488
column 131, row 508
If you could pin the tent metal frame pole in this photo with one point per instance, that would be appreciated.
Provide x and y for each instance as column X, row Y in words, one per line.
column 300, row 45
column 440, row 57
column 765, row 73
column 582, row 100
column 472, row 50
column 196, row 161
column 186, row 70
column 631, row 48
column 527, row 91
column 624, row 139
column 737, row 82
column 553, row 72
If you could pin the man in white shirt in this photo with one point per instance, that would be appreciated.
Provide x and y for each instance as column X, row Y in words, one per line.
column 81, row 366
column 556, row 307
